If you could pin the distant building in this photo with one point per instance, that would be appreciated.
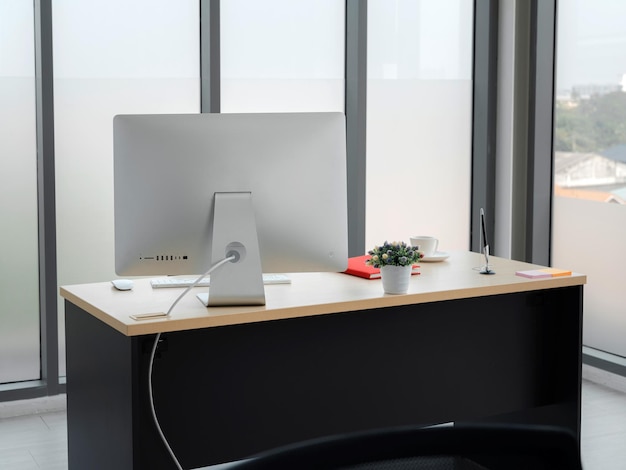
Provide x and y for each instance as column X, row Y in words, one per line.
column 587, row 169
column 591, row 176
column 592, row 195
column 587, row 91
column 617, row 153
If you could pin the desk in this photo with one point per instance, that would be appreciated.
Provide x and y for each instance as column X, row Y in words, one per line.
column 329, row 353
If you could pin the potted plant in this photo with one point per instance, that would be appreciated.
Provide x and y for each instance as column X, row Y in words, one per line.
column 395, row 261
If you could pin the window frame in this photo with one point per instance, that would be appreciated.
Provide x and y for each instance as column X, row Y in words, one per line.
column 484, row 160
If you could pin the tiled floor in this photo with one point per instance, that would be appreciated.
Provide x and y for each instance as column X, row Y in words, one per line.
column 603, row 443
column 34, row 442
column 39, row 441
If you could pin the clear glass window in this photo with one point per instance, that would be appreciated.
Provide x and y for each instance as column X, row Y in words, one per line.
column 19, row 261
column 110, row 57
column 282, row 55
column 589, row 213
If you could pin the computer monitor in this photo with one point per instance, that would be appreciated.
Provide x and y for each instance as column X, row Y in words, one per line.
column 190, row 189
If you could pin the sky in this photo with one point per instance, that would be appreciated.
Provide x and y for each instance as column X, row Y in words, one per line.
column 591, row 42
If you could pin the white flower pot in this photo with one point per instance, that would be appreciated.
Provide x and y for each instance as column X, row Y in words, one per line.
column 395, row 279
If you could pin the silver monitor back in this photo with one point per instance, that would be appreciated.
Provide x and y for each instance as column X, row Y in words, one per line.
column 167, row 169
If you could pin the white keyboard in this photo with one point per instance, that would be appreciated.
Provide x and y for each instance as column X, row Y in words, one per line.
column 157, row 283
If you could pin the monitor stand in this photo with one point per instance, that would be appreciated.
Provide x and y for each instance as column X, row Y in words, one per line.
column 239, row 282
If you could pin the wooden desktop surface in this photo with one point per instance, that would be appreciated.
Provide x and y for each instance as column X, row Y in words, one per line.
column 308, row 294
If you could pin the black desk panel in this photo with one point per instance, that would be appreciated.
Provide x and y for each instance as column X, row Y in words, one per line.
column 224, row 393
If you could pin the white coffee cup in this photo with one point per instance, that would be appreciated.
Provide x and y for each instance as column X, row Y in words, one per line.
column 427, row 245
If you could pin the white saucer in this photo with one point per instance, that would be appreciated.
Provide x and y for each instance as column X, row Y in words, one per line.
column 435, row 257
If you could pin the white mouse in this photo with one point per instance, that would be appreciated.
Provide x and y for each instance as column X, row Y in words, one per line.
column 123, row 284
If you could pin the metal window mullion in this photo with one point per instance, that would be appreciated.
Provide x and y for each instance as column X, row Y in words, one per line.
column 485, row 77
column 540, row 131
column 210, row 79
column 48, row 291
column 356, row 121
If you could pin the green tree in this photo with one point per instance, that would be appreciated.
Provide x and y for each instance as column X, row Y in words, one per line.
column 591, row 125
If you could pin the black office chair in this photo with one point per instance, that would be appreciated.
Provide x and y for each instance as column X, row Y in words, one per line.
column 435, row 448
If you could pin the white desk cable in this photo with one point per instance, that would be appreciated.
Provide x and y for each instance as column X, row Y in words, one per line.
column 153, row 353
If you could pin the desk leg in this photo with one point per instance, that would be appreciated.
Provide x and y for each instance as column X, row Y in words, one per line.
column 99, row 394
column 108, row 415
column 559, row 343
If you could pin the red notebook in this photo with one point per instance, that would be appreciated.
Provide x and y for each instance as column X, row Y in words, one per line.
column 357, row 267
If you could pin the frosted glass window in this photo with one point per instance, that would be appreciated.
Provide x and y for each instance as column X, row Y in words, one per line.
column 419, row 121
column 110, row 57
column 281, row 55
column 589, row 212
column 19, row 270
